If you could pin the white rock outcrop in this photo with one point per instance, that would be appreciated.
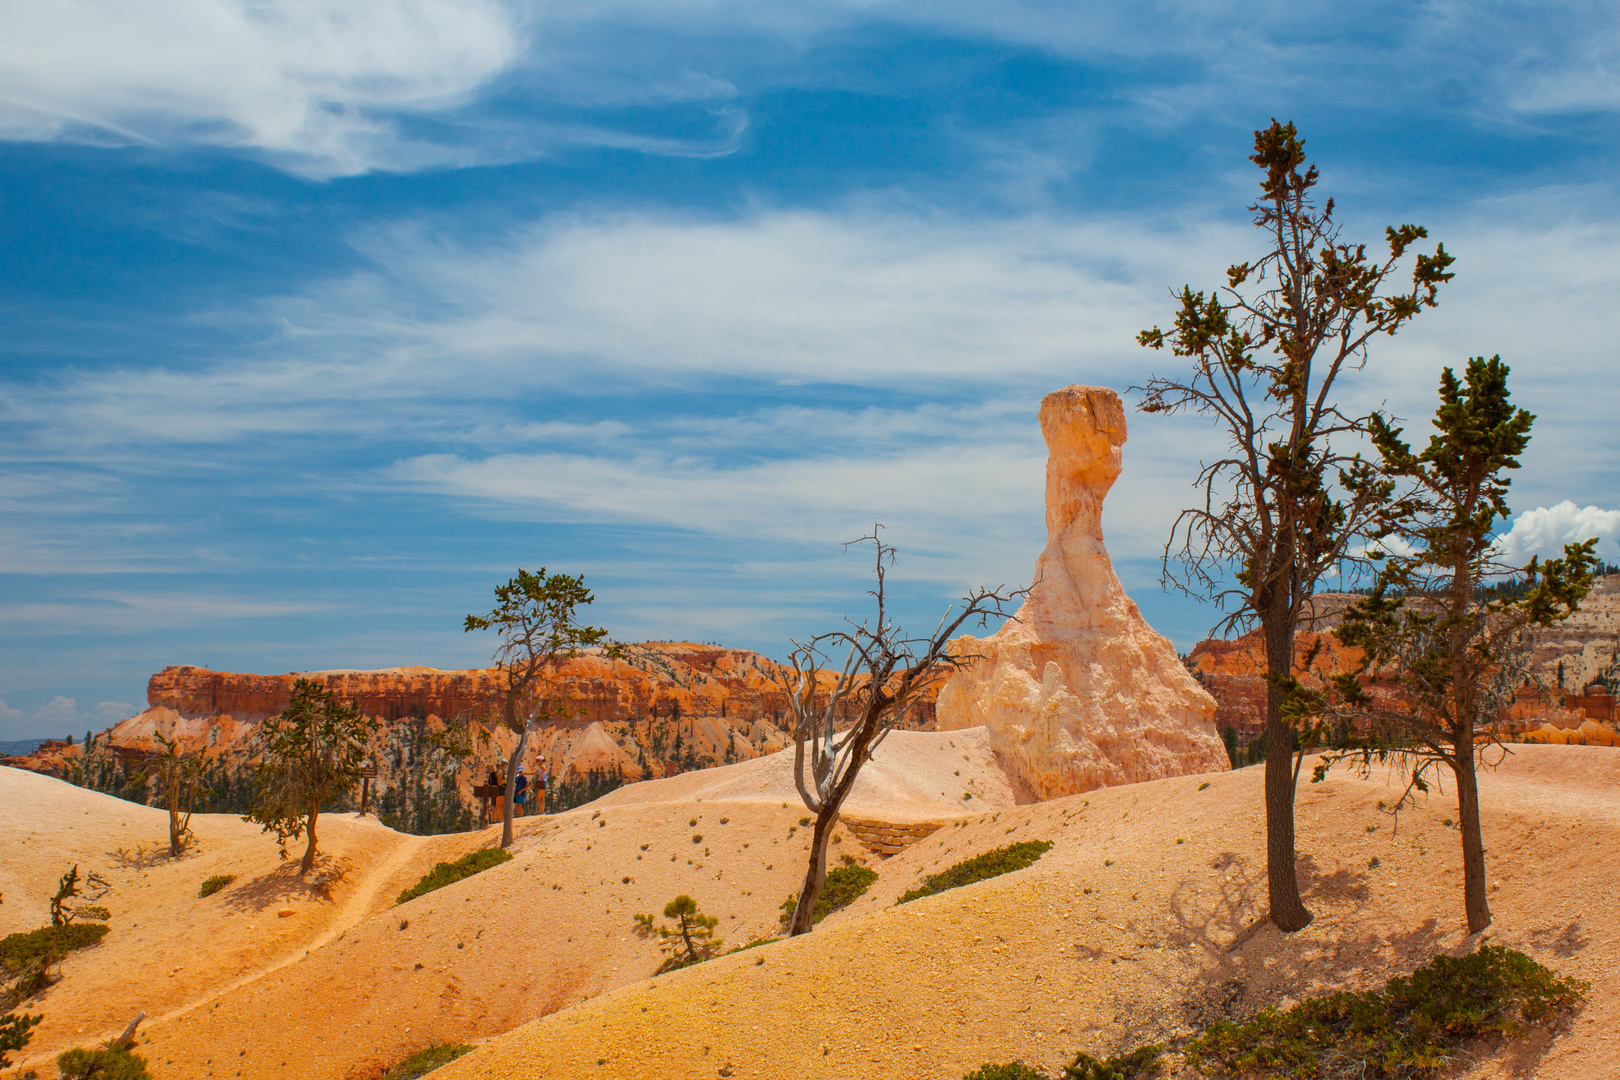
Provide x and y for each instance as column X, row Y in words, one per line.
column 1077, row 690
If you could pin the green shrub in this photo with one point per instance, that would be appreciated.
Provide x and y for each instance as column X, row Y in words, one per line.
column 426, row 1060
column 19, row 951
column 843, row 887
column 448, row 873
column 1003, row 860
column 1012, row 1070
column 214, row 884
column 14, row 1034
column 117, row 1064
column 1409, row 1028
column 1141, row 1062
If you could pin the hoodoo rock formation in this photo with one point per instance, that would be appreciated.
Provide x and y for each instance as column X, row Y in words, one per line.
column 1077, row 690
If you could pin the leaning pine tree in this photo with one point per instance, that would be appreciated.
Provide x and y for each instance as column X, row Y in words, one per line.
column 311, row 754
column 1456, row 655
column 1267, row 352
column 536, row 618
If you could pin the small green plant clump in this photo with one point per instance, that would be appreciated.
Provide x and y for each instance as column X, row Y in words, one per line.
column 118, row 1064
column 1012, row 1070
column 426, row 1060
column 214, row 884
column 843, row 886
column 1139, row 1064
column 448, row 873
column 1409, row 1028
column 22, row 950
column 1003, row 860
column 15, row 1031
column 690, row 941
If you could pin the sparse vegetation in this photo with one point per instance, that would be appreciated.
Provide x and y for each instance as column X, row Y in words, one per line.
column 690, row 941
column 1002, row 860
column 20, row 951
column 1136, row 1065
column 843, row 887
column 426, row 1060
column 1012, row 1070
column 1409, row 1028
column 448, row 873
column 215, row 884
column 15, row 1031
column 114, row 1064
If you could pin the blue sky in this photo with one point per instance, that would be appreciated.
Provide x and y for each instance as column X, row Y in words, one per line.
column 320, row 319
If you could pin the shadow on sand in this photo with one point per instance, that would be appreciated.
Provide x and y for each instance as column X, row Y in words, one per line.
column 285, row 885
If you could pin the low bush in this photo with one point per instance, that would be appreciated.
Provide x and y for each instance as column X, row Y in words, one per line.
column 214, row 884
column 843, row 886
column 19, row 951
column 1003, row 860
column 1409, row 1028
column 1139, row 1064
column 448, row 873
column 1012, row 1070
column 426, row 1060
column 117, row 1064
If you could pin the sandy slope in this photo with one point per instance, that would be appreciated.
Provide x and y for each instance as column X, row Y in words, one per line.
column 1029, row 965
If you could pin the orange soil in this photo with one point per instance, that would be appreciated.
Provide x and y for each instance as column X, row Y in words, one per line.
column 1031, row 965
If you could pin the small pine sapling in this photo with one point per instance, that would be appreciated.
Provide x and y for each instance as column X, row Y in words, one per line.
column 690, row 941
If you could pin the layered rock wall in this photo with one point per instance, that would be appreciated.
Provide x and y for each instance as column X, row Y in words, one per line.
column 1078, row 692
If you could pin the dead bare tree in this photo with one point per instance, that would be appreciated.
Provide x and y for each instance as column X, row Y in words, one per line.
column 883, row 673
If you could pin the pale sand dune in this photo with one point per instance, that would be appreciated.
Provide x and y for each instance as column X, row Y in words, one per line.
column 1029, row 965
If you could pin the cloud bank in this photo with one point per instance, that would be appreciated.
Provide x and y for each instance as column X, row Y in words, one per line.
column 1545, row 530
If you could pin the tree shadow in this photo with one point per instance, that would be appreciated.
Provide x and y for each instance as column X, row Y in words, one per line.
column 1245, row 965
column 1562, row 941
column 285, row 884
column 142, row 856
column 1343, row 885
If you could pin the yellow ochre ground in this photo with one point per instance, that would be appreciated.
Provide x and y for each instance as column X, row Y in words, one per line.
column 1118, row 936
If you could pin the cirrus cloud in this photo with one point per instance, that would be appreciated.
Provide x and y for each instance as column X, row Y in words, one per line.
column 316, row 85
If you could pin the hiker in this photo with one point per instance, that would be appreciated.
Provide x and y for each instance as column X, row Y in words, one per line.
column 542, row 781
column 520, row 788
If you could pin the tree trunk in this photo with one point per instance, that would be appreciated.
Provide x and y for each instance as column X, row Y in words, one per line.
column 309, row 853
column 174, row 818
column 512, row 765
column 816, row 876
column 1473, row 844
column 1288, row 912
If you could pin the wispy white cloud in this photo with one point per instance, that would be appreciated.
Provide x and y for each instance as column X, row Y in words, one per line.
column 317, row 85
column 127, row 611
column 441, row 338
